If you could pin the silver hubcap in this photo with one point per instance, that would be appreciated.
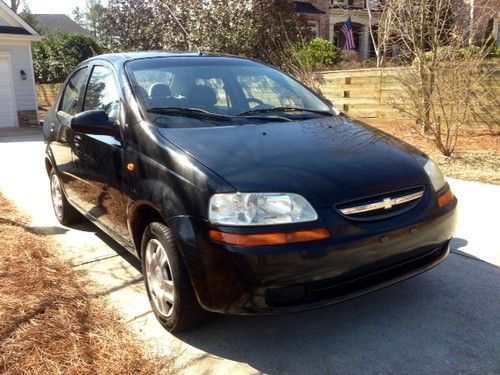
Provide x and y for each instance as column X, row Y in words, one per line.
column 57, row 195
column 159, row 276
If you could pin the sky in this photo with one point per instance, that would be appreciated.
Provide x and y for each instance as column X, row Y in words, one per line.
column 54, row 6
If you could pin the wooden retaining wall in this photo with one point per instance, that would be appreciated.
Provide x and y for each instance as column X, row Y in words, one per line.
column 47, row 94
column 366, row 94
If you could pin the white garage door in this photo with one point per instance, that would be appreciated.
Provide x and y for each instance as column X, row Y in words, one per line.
column 7, row 118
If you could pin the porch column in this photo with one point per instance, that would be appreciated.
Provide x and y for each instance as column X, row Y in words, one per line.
column 364, row 48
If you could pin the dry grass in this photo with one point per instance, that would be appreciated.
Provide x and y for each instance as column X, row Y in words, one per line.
column 50, row 321
column 476, row 158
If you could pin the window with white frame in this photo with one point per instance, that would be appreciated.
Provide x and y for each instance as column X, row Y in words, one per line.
column 371, row 4
column 314, row 27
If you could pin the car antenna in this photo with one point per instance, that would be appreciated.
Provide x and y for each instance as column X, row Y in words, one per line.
column 183, row 30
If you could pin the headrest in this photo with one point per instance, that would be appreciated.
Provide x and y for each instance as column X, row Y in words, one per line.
column 159, row 91
column 202, row 96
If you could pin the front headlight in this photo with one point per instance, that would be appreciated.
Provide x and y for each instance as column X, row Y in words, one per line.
column 251, row 209
column 435, row 175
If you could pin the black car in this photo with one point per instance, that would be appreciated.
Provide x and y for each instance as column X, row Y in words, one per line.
column 239, row 189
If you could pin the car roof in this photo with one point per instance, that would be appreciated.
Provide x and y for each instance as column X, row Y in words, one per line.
column 122, row 57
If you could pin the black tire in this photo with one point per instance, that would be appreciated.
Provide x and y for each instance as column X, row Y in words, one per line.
column 185, row 311
column 65, row 213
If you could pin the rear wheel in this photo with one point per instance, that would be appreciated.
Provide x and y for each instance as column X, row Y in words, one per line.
column 169, row 288
column 65, row 212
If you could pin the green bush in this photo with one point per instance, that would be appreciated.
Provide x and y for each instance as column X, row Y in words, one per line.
column 56, row 55
column 494, row 52
column 318, row 54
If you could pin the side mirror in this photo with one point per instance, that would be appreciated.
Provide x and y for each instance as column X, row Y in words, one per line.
column 328, row 102
column 95, row 122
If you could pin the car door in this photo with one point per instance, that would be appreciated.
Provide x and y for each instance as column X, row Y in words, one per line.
column 99, row 158
column 61, row 136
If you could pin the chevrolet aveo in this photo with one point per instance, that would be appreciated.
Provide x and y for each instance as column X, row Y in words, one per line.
column 240, row 190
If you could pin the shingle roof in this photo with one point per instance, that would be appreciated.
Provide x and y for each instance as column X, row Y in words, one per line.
column 306, row 7
column 14, row 30
column 59, row 22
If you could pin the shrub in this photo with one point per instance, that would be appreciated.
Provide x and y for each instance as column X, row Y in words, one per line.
column 57, row 54
column 494, row 52
column 318, row 54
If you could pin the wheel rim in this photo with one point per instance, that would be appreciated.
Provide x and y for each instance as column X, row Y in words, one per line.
column 159, row 278
column 57, row 195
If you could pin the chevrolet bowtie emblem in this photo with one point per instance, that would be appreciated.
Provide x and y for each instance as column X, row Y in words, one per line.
column 388, row 203
column 383, row 204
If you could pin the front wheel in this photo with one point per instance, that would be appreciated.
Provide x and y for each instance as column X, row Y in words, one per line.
column 66, row 214
column 169, row 288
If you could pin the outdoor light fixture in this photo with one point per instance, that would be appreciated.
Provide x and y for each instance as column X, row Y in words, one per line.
column 24, row 76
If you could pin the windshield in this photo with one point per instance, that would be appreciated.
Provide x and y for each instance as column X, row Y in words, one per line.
column 194, row 91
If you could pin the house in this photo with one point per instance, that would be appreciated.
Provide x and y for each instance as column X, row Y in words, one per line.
column 18, row 105
column 49, row 23
column 483, row 20
column 326, row 18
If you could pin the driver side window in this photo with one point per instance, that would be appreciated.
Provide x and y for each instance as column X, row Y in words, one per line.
column 102, row 93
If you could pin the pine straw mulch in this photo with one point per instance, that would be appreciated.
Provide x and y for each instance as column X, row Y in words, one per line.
column 50, row 321
column 476, row 157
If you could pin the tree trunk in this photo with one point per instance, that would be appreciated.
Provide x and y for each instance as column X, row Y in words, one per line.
column 14, row 5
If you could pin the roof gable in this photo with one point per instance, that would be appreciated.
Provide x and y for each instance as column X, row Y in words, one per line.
column 13, row 24
column 59, row 22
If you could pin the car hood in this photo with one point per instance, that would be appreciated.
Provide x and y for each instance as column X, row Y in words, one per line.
column 328, row 160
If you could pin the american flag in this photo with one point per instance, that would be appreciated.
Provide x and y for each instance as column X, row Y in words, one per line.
column 349, row 35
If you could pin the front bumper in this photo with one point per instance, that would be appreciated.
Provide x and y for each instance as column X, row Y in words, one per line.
column 360, row 259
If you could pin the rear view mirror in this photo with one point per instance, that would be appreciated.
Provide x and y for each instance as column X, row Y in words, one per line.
column 95, row 122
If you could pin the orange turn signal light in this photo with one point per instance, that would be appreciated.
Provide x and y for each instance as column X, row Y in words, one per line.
column 131, row 167
column 268, row 239
column 445, row 199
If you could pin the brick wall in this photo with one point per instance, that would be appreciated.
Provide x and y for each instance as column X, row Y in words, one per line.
column 324, row 19
column 27, row 118
column 484, row 13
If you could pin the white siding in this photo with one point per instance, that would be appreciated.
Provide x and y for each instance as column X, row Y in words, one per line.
column 20, row 59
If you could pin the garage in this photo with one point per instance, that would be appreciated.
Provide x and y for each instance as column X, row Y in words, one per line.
column 7, row 106
column 18, row 105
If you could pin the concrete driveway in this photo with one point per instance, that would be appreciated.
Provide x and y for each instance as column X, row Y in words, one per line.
column 442, row 322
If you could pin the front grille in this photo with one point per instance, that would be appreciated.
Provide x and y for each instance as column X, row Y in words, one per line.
column 381, row 206
column 339, row 287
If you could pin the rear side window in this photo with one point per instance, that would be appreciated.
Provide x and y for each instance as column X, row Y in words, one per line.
column 102, row 93
column 73, row 92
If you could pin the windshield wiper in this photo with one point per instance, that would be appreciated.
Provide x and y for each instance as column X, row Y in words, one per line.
column 201, row 113
column 266, row 118
column 189, row 112
column 286, row 109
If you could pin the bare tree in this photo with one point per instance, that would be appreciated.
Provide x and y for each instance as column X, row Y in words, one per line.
column 15, row 5
column 443, row 85
column 380, row 32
